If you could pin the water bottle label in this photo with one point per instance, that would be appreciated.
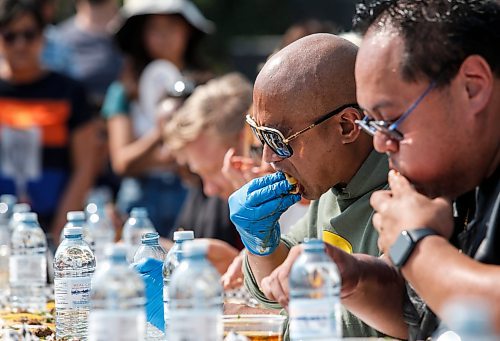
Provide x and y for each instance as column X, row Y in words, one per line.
column 314, row 318
column 117, row 325
column 207, row 325
column 73, row 292
column 28, row 268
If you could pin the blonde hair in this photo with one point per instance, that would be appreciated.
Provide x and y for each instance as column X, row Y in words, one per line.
column 219, row 106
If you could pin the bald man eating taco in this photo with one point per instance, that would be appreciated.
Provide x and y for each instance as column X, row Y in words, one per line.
column 304, row 114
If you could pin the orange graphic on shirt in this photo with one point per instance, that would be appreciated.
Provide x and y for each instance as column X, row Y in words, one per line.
column 50, row 116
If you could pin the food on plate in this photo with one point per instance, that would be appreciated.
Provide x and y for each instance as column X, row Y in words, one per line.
column 41, row 325
column 292, row 181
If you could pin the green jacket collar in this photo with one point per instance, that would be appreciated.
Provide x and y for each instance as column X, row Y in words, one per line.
column 371, row 175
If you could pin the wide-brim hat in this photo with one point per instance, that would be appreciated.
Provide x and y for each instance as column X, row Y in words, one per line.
column 123, row 25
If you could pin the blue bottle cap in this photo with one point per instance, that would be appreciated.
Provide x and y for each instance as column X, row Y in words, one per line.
column 313, row 245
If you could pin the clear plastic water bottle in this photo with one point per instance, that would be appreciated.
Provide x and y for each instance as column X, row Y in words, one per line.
column 196, row 297
column 77, row 218
column 136, row 225
column 151, row 248
column 117, row 299
column 17, row 212
column 100, row 227
column 314, row 309
column 28, row 264
column 74, row 264
column 7, row 203
column 172, row 261
column 4, row 253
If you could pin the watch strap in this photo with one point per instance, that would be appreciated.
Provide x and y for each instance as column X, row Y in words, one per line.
column 404, row 246
column 420, row 233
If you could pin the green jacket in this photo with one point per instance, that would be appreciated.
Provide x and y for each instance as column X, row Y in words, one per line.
column 342, row 218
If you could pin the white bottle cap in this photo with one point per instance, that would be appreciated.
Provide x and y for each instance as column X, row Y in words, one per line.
column 183, row 235
column 75, row 215
column 139, row 212
column 73, row 231
column 28, row 216
column 9, row 199
column 21, row 208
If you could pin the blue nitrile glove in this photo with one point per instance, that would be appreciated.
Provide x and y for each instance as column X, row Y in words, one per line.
column 256, row 208
column 151, row 272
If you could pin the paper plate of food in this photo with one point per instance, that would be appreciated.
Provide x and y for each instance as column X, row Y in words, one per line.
column 28, row 326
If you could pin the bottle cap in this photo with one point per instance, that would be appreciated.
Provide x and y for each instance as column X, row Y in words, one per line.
column 116, row 251
column 139, row 212
column 8, row 199
column 313, row 244
column 75, row 216
column 28, row 217
column 21, row 208
column 73, row 231
column 183, row 235
column 194, row 248
column 150, row 238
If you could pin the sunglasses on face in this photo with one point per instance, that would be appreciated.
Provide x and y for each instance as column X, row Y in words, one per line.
column 29, row 35
column 390, row 128
column 280, row 144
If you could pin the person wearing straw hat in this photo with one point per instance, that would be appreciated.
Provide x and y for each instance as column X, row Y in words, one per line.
column 153, row 34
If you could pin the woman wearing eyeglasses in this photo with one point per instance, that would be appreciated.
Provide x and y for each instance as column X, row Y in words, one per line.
column 46, row 138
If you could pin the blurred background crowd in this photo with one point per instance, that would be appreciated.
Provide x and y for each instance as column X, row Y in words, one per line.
column 141, row 103
column 142, row 114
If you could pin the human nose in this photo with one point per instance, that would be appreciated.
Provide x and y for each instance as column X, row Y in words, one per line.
column 269, row 156
column 384, row 144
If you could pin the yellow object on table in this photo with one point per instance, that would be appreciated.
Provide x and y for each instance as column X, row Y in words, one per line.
column 41, row 325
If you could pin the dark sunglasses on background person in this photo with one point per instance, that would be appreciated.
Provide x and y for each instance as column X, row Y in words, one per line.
column 280, row 144
column 390, row 128
column 29, row 35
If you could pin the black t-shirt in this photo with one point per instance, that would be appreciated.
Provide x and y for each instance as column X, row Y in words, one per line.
column 37, row 121
column 208, row 217
column 480, row 240
column 484, row 244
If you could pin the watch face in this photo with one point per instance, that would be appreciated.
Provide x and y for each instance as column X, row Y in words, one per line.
column 401, row 249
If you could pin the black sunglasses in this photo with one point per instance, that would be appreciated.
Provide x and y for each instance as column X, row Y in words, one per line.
column 29, row 35
column 280, row 144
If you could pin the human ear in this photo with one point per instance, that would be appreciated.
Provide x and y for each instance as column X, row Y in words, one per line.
column 477, row 79
column 349, row 129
